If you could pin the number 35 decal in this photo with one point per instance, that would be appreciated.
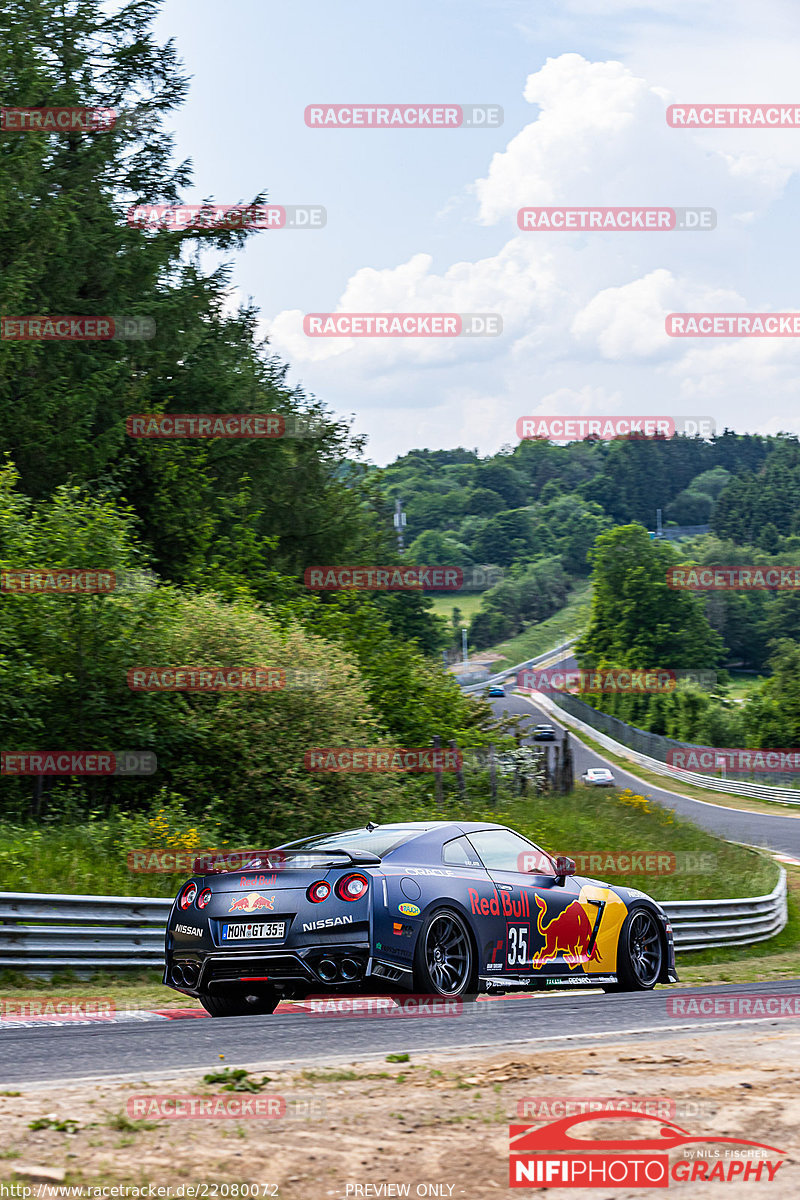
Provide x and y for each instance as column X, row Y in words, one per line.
column 517, row 946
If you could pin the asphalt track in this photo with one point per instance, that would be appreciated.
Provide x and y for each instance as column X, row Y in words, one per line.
column 507, row 1024
column 31, row 1055
column 779, row 833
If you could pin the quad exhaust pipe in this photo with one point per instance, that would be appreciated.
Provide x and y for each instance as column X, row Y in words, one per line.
column 184, row 974
column 346, row 969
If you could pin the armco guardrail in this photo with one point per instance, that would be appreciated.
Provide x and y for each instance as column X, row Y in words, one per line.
column 736, row 787
column 529, row 662
column 702, row 924
column 42, row 932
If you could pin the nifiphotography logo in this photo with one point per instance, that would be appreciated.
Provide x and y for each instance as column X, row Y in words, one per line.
column 561, row 1154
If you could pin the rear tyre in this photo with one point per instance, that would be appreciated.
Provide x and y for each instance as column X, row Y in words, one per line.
column 238, row 1004
column 445, row 963
column 640, row 953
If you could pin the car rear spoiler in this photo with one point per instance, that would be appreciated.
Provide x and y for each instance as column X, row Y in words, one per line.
column 365, row 857
column 225, row 862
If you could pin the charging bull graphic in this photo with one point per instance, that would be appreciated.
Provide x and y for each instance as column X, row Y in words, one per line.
column 251, row 902
column 570, row 934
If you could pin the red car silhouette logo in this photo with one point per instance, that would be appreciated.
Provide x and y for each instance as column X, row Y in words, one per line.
column 251, row 902
column 569, row 934
column 556, row 1135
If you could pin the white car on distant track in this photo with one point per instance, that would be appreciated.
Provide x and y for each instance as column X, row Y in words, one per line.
column 598, row 777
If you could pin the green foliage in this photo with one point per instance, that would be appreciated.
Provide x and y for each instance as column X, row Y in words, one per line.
column 637, row 620
column 526, row 597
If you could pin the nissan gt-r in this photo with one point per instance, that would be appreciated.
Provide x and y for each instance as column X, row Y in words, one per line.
column 437, row 908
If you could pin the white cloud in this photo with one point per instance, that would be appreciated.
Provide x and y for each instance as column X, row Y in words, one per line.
column 583, row 313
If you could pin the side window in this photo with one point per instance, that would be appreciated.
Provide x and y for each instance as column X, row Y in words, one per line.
column 459, row 853
column 502, row 850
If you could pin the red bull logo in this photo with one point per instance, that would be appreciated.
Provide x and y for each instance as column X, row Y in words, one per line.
column 504, row 902
column 251, row 903
column 569, row 934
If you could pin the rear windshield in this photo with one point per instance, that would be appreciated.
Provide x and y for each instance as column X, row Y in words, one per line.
column 379, row 842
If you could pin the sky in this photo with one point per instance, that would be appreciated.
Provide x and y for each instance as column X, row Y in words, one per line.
column 425, row 220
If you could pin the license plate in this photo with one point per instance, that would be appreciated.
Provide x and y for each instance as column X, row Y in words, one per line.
column 267, row 929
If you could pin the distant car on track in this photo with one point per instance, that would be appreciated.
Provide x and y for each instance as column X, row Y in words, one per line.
column 438, row 908
column 544, row 733
column 598, row 777
column 497, row 690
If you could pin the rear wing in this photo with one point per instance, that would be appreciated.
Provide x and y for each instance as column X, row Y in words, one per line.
column 224, row 862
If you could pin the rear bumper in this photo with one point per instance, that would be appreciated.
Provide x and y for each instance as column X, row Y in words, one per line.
column 318, row 968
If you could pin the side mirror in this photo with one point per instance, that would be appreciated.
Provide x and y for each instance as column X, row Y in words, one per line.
column 564, row 867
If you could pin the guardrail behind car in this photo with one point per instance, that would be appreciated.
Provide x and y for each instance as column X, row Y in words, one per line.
column 42, row 933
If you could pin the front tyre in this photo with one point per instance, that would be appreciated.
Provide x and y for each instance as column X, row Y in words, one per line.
column 444, row 961
column 640, row 953
column 238, row 1004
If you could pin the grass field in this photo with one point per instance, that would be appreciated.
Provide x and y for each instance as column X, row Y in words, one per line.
column 469, row 604
column 744, row 685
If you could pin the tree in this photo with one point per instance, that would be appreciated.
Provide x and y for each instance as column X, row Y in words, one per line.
column 636, row 619
column 66, row 247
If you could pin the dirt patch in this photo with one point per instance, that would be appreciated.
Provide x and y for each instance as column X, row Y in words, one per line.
column 439, row 1121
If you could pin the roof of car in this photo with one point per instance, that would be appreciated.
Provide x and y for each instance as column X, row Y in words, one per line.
column 415, row 828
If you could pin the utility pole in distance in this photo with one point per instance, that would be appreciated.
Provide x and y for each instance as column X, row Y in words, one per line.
column 399, row 524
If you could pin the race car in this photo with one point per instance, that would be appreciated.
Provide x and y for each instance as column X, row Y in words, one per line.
column 438, row 908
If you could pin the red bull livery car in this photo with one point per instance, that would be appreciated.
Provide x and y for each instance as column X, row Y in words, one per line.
column 435, row 908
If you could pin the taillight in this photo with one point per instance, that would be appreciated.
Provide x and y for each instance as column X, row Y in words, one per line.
column 352, row 887
column 204, row 897
column 187, row 896
column 319, row 891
